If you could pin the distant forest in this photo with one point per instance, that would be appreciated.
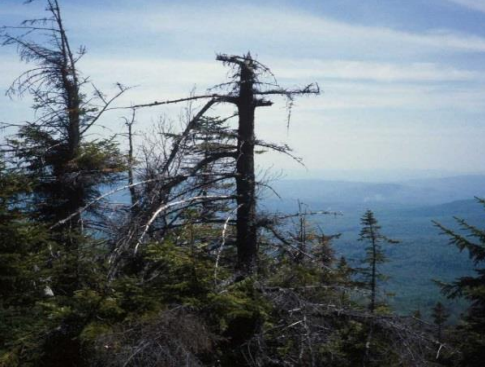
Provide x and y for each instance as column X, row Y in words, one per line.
column 189, row 269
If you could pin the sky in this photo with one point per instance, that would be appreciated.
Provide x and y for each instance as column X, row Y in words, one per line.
column 403, row 81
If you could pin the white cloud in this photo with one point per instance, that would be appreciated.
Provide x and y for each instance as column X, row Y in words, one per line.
column 367, row 73
column 265, row 29
column 393, row 99
column 373, row 71
column 478, row 5
column 154, row 73
column 346, row 84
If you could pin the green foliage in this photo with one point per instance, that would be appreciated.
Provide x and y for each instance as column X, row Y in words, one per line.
column 472, row 240
column 61, row 185
column 345, row 346
column 39, row 292
column 375, row 256
column 101, row 157
column 22, row 277
column 169, row 288
column 440, row 314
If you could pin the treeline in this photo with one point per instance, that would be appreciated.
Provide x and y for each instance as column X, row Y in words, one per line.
column 191, row 272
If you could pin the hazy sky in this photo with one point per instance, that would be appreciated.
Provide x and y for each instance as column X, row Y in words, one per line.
column 403, row 81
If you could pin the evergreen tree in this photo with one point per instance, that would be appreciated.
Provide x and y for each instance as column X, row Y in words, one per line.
column 440, row 315
column 343, row 278
column 24, row 280
column 375, row 256
column 472, row 288
column 64, row 171
column 66, row 167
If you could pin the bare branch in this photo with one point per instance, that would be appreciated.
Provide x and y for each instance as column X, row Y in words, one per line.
column 164, row 207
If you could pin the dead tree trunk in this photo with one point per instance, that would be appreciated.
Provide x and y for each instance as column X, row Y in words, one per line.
column 246, row 96
column 246, row 102
column 131, row 161
column 247, row 240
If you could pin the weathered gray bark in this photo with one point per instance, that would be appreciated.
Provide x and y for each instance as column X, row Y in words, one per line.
column 247, row 97
column 247, row 240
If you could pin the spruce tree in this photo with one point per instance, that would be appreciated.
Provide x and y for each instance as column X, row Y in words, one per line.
column 472, row 288
column 375, row 255
column 64, row 171
column 66, row 167
column 440, row 315
column 23, row 280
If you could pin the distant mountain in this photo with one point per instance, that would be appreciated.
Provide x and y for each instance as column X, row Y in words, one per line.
column 452, row 188
column 406, row 210
column 469, row 209
column 411, row 193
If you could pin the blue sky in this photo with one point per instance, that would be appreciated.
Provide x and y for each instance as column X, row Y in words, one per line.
column 403, row 81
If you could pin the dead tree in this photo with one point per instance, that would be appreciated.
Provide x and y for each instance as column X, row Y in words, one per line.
column 247, row 92
column 246, row 103
column 131, row 159
column 246, row 95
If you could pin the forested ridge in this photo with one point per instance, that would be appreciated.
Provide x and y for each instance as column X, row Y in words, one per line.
column 189, row 270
